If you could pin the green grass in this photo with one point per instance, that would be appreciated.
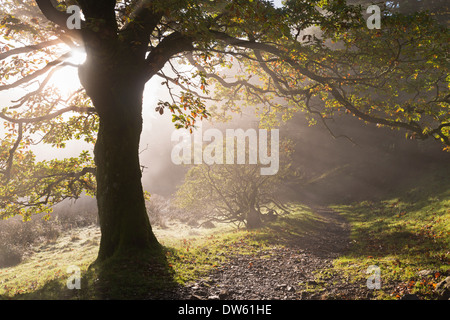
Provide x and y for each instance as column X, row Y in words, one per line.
column 44, row 272
column 402, row 235
column 189, row 255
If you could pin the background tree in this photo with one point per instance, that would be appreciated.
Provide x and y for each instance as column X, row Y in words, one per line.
column 236, row 193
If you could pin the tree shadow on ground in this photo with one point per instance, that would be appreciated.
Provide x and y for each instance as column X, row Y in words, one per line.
column 137, row 276
column 143, row 276
column 318, row 230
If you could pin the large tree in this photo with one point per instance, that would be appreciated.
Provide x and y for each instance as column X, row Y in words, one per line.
column 129, row 42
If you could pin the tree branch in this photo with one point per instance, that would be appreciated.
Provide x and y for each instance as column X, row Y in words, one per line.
column 29, row 48
column 49, row 116
column 9, row 162
column 177, row 83
column 38, row 73
column 56, row 16
column 391, row 123
column 412, row 126
column 171, row 45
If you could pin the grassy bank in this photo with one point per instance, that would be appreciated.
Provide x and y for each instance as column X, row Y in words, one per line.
column 407, row 236
column 43, row 273
column 190, row 254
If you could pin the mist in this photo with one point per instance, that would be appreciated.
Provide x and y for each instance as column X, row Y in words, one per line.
column 325, row 205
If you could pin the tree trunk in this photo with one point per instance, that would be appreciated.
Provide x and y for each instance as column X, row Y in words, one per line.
column 253, row 216
column 253, row 219
column 123, row 217
column 124, row 223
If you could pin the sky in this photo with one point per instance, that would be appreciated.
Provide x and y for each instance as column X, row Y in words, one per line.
column 277, row 3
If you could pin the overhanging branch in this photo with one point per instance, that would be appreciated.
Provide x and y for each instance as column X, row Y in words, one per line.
column 171, row 45
column 54, row 15
column 29, row 48
column 48, row 116
column 411, row 126
column 34, row 75
column 9, row 162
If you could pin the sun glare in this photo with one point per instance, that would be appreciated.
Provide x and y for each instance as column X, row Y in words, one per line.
column 78, row 56
column 66, row 79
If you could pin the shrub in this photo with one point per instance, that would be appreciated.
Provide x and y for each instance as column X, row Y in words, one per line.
column 10, row 256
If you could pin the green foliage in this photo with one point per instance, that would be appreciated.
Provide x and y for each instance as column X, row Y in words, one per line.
column 395, row 76
column 37, row 185
column 188, row 102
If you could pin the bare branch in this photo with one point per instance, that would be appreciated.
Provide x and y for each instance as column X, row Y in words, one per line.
column 324, row 122
column 29, row 48
column 9, row 162
column 49, row 116
column 34, row 75
column 21, row 101
column 177, row 83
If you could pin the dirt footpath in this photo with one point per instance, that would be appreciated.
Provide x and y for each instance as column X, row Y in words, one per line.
column 287, row 272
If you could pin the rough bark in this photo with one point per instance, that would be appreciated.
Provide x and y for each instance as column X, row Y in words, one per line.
column 123, row 218
column 116, row 92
